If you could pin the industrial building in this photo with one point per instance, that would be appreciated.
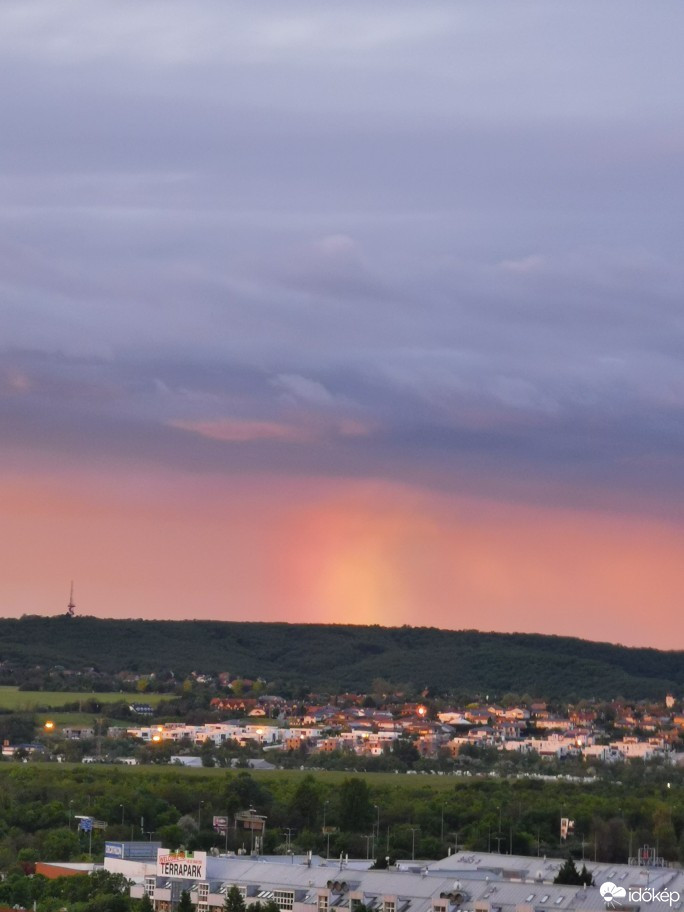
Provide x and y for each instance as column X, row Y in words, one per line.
column 462, row 882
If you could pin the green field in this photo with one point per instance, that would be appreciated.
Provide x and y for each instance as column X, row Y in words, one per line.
column 16, row 700
column 418, row 784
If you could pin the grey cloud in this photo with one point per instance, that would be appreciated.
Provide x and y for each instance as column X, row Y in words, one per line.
column 297, row 388
column 447, row 237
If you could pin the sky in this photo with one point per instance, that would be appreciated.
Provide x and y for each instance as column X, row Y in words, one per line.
column 344, row 312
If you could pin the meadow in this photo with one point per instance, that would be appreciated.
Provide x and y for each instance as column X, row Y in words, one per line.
column 14, row 700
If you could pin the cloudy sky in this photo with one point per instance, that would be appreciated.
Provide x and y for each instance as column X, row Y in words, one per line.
column 344, row 311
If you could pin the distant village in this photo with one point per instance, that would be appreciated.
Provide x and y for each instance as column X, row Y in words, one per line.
column 235, row 721
column 650, row 732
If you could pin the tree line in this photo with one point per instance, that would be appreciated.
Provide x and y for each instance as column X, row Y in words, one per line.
column 365, row 816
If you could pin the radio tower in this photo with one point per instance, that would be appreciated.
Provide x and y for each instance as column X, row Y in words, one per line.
column 72, row 604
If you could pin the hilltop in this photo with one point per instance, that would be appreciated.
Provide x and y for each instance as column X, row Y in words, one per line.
column 337, row 658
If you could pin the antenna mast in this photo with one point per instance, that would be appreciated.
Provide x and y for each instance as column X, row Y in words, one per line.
column 72, row 604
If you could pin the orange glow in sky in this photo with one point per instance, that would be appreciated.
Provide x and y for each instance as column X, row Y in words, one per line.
column 359, row 552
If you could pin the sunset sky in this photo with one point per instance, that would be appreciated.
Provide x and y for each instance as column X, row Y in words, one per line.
column 344, row 311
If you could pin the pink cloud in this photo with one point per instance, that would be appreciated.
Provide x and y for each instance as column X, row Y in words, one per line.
column 236, row 430
column 309, row 428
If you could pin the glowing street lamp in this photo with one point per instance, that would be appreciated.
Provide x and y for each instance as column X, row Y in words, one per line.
column 49, row 726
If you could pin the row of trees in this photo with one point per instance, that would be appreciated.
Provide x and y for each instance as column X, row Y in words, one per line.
column 99, row 892
column 364, row 816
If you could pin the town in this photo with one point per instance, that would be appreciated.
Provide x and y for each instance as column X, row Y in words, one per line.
column 226, row 720
column 353, row 725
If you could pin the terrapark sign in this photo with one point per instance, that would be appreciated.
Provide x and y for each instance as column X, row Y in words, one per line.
column 186, row 865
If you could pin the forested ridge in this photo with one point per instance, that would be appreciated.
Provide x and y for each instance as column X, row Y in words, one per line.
column 335, row 658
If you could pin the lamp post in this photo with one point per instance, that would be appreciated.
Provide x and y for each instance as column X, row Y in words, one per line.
column 123, row 810
column 414, row 830
column 199, row 816
column 327, row 835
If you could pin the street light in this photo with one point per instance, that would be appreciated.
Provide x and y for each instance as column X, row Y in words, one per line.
column 414, row 830
column 499, row 835
column 288, row 834
column 122, row 814
column 199, row 816
column 327, row 834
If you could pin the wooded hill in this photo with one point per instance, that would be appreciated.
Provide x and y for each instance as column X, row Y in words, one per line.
column 335, row 658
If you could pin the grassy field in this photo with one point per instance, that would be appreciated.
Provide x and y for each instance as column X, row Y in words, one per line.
column 29, row 700
column 424, row 784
